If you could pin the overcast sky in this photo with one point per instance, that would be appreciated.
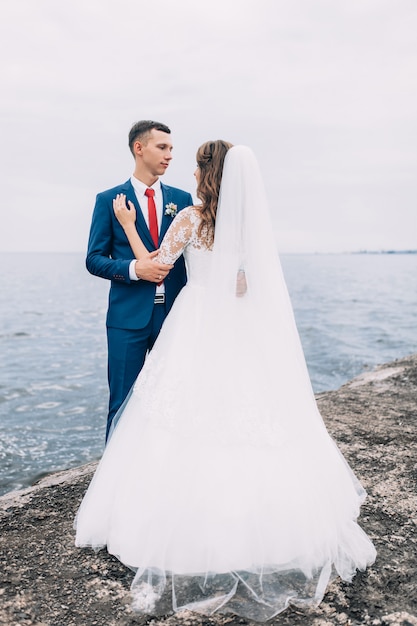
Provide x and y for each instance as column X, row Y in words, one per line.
column 324, row 91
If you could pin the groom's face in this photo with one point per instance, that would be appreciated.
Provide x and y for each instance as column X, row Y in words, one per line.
column 155, row 152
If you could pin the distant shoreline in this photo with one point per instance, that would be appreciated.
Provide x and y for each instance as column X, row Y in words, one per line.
column 384, row 252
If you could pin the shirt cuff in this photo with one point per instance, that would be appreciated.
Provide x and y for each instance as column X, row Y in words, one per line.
column 132, row 271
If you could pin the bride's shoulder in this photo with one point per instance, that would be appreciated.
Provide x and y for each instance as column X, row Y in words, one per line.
column 191, row 213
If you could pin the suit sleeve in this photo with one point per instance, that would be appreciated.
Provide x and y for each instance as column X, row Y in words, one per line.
column 99, row 259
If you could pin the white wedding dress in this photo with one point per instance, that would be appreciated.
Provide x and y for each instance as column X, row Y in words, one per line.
column 220, row 485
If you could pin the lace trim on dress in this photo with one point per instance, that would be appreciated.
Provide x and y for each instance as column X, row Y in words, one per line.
column 183, row 232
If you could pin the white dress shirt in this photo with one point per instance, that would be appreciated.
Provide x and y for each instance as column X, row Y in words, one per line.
column 140, row 188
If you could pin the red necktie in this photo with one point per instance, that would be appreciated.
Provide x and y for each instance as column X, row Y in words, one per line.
column 153, row 220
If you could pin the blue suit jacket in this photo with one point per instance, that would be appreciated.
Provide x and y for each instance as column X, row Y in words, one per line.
column 109, row 256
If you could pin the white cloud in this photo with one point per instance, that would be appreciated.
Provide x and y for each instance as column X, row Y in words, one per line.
column 322, row 91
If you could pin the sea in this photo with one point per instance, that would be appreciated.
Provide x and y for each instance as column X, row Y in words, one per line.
column 353, row 312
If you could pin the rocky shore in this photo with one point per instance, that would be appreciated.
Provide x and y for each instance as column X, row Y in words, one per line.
column 46, row 581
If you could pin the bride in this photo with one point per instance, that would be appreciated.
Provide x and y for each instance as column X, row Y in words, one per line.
column 220, row 485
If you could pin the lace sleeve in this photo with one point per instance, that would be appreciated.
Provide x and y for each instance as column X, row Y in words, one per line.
column 179, row 234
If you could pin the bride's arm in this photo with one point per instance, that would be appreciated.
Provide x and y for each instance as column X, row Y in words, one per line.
column 127, row 218
column 174, row 242
column 178, row 236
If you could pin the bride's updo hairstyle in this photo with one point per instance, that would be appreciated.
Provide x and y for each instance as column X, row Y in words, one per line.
column 210, row 159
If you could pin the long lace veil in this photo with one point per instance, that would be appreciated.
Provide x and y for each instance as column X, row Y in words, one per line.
column 254, row 336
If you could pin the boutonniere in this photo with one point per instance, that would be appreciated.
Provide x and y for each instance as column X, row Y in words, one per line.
column 171, row 209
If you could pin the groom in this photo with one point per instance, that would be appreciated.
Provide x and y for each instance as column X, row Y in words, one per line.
column 141, row 292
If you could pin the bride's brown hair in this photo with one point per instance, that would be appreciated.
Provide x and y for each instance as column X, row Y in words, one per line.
column 210, row 159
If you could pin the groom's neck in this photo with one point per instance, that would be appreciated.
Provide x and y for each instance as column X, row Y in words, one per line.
column 146, row 181
column 145, row 177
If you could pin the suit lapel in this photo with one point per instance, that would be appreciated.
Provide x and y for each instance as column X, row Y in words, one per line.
column 166, row 219
column 141, row 226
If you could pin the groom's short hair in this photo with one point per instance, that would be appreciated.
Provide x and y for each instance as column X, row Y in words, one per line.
column 143, row 128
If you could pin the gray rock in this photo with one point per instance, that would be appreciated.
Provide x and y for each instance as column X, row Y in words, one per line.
column 46, row 581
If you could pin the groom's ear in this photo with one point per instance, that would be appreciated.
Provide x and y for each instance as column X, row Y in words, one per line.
column 137, row 147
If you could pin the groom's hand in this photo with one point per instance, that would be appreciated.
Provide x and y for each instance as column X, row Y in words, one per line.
column 148, row 269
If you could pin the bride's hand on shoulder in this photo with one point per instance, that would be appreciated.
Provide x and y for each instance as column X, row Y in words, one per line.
column 124, row 215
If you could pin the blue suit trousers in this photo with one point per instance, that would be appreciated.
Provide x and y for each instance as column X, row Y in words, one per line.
column 127, row 350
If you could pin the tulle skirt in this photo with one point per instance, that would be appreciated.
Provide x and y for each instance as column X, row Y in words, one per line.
column 221, row 489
